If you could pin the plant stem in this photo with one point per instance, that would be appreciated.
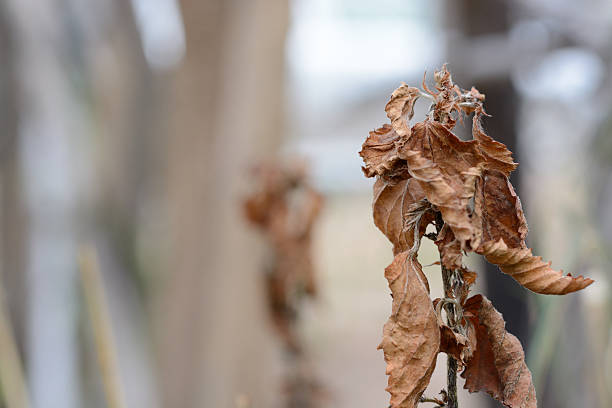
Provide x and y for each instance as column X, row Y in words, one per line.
column 449, row 292
column 451, row 366
column 451, row 363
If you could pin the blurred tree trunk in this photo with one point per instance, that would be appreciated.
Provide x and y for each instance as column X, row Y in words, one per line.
column 476, row 21
column 215, row 342
column 12, row 217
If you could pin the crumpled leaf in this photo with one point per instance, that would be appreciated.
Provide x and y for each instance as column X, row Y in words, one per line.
column 467, row 181
column 498, row 363
column 411, row 337
column 499, row 209
column 400, row 108
column 398, row 208
column 497, row 155
column 380, row 153
column 449, row 248
column 469, row 278
column 457, row 345
column 448, row 180
column 460, row 346
column 445, row 98
column 504, row 230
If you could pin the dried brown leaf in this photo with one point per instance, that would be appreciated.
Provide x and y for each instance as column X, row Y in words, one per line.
column 469, row 278
column 460, row 346
column 497, row 155
column 380, row 153
column 411, row 337
column 503, row 243
column 498, row 363
column 456, row 345
column 400, row 108
column 398, row 208
column 447, row 169
column 530, row 271
column 499, row 209
column 445, row 97
column 449, row 248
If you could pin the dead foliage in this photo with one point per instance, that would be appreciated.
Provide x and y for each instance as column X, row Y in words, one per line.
column 426, row 174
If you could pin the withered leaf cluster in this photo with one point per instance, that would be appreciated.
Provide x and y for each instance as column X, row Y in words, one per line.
column 285, row 207
column 426, row 174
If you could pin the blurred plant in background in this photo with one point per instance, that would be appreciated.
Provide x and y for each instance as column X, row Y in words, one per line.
column 285, row 208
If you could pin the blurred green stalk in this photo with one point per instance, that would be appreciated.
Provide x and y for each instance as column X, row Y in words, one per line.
column 12, row 380
column 97, row 307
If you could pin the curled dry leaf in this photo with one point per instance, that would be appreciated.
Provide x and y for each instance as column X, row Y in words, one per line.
column 411, row 336
column 469, row 278
column 498, row 363
column 449, row 248
column 400, row 108
column 504, row 230
column 470, row 102
column 445, row 99
column 497, row 155
column 467, row 181
column 450, row 193
column 447, row 168
column 458, row 345
column 379, row 153
column 530, row 271
column 499, row 209
column 398, row 209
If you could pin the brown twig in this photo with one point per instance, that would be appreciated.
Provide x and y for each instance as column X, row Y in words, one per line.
column 434, row 400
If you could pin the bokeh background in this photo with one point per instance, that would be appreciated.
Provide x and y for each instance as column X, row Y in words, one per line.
column 130, row 126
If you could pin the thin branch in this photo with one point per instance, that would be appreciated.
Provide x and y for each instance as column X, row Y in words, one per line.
column 434, row 400
column 451, row 307
column 451, row 363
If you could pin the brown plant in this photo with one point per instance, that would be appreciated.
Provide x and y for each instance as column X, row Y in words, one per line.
column 285, row 207
column 425, row 174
